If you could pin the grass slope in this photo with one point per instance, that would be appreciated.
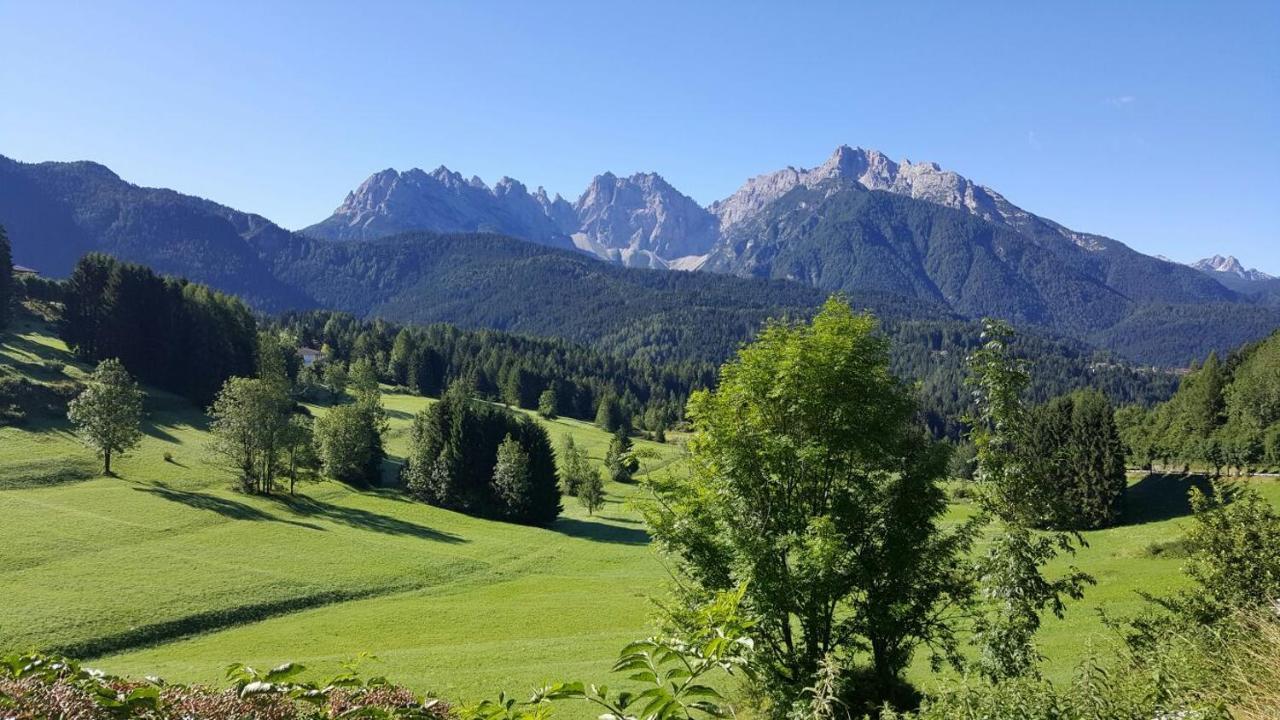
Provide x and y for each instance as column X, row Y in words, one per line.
column 167, row 570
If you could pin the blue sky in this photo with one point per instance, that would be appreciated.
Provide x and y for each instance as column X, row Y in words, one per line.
column 1155, row 123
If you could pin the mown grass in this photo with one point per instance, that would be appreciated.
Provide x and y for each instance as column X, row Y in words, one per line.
column 166, row 569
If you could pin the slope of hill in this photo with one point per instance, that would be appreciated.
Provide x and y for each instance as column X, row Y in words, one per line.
column 168, row 557
column 167, row 570
column 56, row 212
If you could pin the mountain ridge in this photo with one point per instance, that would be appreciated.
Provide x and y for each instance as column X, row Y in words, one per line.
column 834, row 235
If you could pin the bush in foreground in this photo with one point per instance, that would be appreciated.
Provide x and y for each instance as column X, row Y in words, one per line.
column 34, row 687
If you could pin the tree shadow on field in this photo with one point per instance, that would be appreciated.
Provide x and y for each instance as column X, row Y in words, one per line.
column 1159, row 497
column 394, row 414
column 362, row 519
column 226, row 507
column 601, row 532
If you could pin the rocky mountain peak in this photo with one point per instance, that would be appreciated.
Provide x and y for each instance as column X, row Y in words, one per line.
column 1231, row 265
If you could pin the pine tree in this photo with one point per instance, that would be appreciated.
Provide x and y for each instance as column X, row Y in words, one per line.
column 511, row 478
column 619, row 461
column 6, row 280
column 108, row 413
column 591, row 492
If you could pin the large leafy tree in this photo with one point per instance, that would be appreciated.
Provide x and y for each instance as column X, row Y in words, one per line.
column 108, row 413
column 1010, row 573
column 251, row 430
column 812, row 484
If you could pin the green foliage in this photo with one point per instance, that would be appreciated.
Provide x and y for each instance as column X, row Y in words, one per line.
column 591, row 493
column 40, row 686
column 811, row 484
column 455, row 453
column 178, row 336
column 348, row 441
column 335, row 378
column 1076, row 455
column 517, row 370
column 620, row 463
column 548, row 407
column 1013, row 588
column 251, row 430
column 511, row 479
column 1235, row 557
column 1225, row 414
column 576, row 471
column 108, row 413
column 610, row 416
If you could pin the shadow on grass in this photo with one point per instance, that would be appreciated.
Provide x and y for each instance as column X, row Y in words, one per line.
column 1159, row 497
column 362, row 519
column 226, row 507
column 30, row 347
column 601, row 532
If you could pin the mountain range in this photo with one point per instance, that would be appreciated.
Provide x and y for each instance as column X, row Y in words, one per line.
column 910, row 238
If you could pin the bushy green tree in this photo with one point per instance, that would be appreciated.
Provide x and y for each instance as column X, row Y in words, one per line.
column 609, row 415
column 1075, row 455
column 575, row 467
column 335, row 378
column 619, row 460
column 511, row 478
column 813, row 486
column 107, row 415
column 349, row 444
column 547, row 405
column 591, row 492
column 1010, row 574
column 251, row 430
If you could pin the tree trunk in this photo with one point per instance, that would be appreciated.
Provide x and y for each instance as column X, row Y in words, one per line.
column 106, row 462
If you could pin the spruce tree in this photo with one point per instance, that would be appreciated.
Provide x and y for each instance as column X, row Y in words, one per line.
column 6, row 281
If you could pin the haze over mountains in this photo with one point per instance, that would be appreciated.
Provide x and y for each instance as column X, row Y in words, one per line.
column 412, row 245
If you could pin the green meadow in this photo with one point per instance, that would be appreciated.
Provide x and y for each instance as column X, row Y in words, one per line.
column 167, row 570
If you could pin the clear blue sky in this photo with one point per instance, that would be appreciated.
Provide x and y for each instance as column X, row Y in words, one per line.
column 1155, row 123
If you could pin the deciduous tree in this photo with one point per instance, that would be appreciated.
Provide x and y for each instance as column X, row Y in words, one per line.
column 108, row 413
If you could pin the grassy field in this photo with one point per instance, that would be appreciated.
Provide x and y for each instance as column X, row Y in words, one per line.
column 167, row 570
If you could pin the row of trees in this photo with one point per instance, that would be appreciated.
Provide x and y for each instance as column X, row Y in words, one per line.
column 473, row 457
column 1224, row 415
column 555, row 377
column 178, row 336
column 259, row 429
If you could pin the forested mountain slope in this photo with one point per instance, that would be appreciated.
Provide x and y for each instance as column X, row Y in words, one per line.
column 56, row 212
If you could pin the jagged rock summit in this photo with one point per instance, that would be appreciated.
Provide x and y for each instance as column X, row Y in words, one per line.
column 1230, row 265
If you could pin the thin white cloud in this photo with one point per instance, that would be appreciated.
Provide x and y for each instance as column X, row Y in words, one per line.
column 1122, row 100
column 1034, row 140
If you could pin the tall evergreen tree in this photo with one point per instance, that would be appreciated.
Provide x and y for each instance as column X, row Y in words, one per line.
column 6, row 280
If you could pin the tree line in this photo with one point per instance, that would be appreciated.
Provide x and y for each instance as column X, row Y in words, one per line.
column 175, row 335
column 553, row 376
column 1225, row 415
